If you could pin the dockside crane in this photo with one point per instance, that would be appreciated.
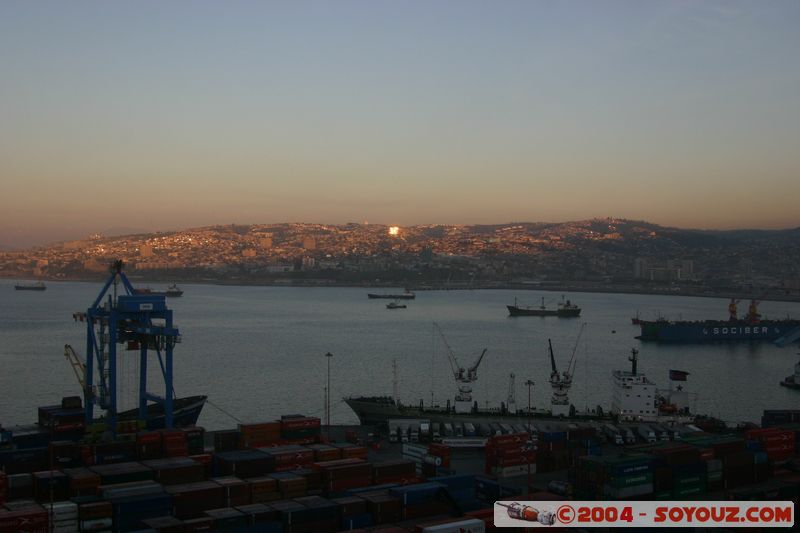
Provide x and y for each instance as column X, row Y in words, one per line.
column 464, row 377
column 121, row 316
column 562, row 381
column 733, row 309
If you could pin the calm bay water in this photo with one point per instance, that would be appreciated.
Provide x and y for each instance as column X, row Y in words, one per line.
column 258, row 352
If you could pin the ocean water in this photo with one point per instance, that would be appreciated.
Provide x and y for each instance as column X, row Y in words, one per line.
column 259, row 352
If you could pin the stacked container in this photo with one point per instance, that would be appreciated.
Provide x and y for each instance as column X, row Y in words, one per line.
column 290, row 485
column 421, row 500
column 176, row 470
column 243, row 463
column 263, row 489
column 235, row 491
column 260, row 434
column 778, row 444
column 95, row 516
column 353, row 511
column 32, row 519
column 64, row 516
column 509, row 456
column 300, row 428
column 175, row 444
column 344, row 474
column 394, row 471
column 289, row 457
column 195, row 439
column 191, row 499
column 614, row 478
column 149, row 445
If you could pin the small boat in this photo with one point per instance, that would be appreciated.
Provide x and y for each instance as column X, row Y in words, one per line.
column 565, row 309
column 793, row 381
column 407, row 295
column 38, row 286
column 395, row 305
column 173, row 291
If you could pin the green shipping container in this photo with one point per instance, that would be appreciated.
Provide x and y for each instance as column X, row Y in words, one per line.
column 689, row 490
column 633, row 479
column 683, row 481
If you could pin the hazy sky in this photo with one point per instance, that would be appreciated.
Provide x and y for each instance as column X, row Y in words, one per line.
column 164, row 115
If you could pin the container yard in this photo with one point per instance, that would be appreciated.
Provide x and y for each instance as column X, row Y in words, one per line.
column 287, row 476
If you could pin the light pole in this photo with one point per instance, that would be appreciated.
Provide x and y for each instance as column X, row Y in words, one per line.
column 328, row 356
column 529, row 384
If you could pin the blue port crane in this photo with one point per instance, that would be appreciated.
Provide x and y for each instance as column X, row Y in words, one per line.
column 121, row 317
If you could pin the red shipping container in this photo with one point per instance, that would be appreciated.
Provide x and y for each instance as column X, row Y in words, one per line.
column 755, row 434
column 33, row 520
column 294, row 424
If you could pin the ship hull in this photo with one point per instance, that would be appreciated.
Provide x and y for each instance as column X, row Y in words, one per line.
column 513, row 310
column 522, row 311
column 376, row 413
column 29, row 288
column 185, row 412
column 374, row 296
column 715, row 331
column 790, row 383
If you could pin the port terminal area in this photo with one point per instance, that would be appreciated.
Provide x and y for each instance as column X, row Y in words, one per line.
column 296, row 475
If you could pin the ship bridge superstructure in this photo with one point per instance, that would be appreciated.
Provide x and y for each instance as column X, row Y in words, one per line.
column 634, row 395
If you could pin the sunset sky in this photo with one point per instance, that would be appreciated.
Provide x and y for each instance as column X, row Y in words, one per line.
column 164, row 115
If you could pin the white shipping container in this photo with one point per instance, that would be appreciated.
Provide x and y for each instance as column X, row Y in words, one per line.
column 98, row 524
column 472, row 525
column 513, row 471
column 415, row 451
column 63, row 511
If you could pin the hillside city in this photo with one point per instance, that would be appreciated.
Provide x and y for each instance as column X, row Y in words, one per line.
column 600, row 253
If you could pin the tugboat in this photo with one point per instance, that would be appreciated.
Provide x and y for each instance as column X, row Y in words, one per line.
column 565, row 309
column 793, row 381
column 173, row 291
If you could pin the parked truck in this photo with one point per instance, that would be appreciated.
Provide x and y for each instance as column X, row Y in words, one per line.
column 647, row 434
column 613, row 434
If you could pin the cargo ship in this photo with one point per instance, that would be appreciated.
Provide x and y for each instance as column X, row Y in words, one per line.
column 172, row 291
column 38, row 286
column 650, row 404
column 407, row 295
column 565, row 309
column 749, row 328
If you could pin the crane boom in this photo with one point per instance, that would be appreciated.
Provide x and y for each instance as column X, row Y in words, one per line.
column 552, row 357
column 571, row 366
column 472, row 371
column 77, row 365
column 458, row 370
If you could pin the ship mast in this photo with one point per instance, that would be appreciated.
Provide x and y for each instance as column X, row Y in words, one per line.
column 633, row 359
